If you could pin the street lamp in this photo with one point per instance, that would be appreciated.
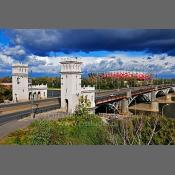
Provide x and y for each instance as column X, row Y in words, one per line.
column 163, row 108
column 117, row 82
column 53, row 84
column 31, row 95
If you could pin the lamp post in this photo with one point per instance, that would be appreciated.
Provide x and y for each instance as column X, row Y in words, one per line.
column 96, row 80
column 135, row 107
column 31, row 95
column 118, row 82
column 53, row 84
column 163, row 108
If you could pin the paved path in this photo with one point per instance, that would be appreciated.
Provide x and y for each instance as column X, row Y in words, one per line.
column 23, row 123
column 13, row 126
column 22, row 107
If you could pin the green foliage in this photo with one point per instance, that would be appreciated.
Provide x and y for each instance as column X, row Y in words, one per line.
column 114, row 83
column 97, row 81
column 5, row 94
column 144, row 130
column 90, row 130
column 6, row 80
column 82, row 108
column 158, row 81
column 52, row 82
column 66, row 131
column 109, row 83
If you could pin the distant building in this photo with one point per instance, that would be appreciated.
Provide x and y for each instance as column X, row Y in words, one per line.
column 22, row 90
column 141, row 76
column 71, row 89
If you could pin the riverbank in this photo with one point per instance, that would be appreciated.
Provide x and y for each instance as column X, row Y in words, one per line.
column 91, row 130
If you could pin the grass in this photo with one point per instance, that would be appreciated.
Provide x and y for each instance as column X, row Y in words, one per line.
column 90, row 130
column 67, row 131
column 53, row 88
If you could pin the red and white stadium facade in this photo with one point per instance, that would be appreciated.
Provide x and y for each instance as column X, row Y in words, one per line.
column 141, row 76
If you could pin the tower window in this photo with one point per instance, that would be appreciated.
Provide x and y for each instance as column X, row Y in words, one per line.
column 18, row 80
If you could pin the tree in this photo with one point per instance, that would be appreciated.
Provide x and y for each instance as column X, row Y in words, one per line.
column 82, row 108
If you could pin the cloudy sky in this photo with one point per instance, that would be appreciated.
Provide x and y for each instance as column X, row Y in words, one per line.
column 148, row 50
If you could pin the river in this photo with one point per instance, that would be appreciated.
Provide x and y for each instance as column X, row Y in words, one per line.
column 53, row 93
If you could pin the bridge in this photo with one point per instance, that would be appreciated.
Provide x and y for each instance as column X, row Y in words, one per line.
column 126, row 96
column 122, row 97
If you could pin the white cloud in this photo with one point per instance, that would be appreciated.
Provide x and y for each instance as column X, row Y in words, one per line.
column 4, row 59
column 16, row 50
column 159, row 64
column 155, row 64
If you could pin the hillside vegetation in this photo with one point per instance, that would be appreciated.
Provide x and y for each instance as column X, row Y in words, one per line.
column 91, row 130
column 5, row 94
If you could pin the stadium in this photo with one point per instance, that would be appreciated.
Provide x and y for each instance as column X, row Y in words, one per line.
column 126, row 75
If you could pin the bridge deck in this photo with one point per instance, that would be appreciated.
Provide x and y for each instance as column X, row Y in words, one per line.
column 19, row 110
column 112, row 95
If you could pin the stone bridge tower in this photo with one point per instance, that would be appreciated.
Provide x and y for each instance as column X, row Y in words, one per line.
column 70, row 84
column 20, row 82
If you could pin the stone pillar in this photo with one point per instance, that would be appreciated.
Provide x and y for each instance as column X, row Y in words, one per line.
column 156, row 88
column 120, row 105
column 153, row 95
column 155, row 106
column 128, row 93
column 168, row 97
column 124, row 106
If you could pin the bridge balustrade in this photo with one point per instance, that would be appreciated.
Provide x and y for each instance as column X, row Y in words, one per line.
column 115, row 95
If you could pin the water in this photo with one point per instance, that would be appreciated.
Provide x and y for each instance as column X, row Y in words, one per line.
column 53, row 93
column 168, row 111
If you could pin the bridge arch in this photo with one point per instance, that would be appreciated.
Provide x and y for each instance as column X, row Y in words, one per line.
column 171, row 90
column 160, row 93
column 138, row 99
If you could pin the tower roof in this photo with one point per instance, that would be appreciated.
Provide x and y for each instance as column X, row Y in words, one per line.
column 70, row 60
column 19, row 65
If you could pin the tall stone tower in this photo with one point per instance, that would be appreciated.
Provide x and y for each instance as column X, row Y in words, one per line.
column 20, row 82
column 70, row 84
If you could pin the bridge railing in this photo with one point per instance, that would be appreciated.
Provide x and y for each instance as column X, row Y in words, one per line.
column 105, row 96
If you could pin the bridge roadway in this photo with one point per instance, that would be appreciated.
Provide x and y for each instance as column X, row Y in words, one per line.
column 14, row 111
column 112, row 95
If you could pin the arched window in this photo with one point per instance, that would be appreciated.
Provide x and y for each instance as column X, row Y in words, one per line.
column 18, row 80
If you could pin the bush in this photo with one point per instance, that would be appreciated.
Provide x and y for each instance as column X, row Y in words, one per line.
column 90, row 130
column 67, row 131
column 144, row 130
